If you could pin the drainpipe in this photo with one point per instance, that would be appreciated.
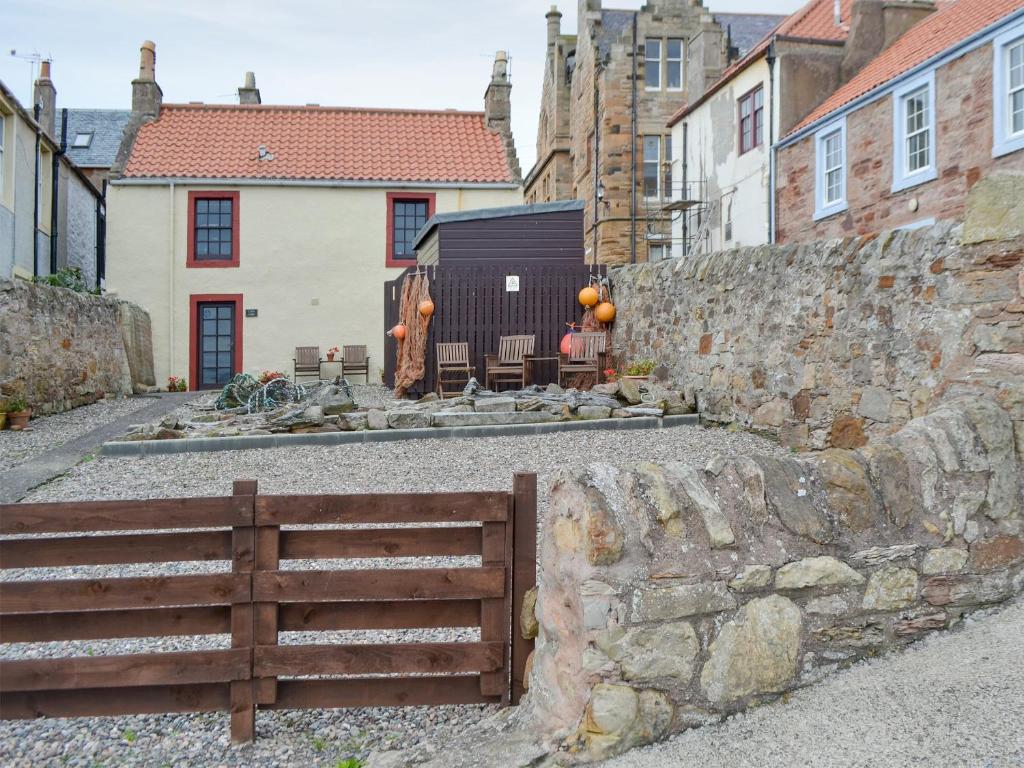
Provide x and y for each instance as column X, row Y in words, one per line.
column 770, row 59
column 55, row 191
column 170, row 292
column 632, row 158
column 685, row 214
column 36, row 110
column 597, row 167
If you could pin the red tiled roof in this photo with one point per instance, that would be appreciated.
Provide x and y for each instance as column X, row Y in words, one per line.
column 951, row 24
column 815, row 21
column 326, row 143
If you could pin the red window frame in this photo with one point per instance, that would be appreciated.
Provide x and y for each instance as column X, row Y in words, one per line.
column 194, row 300
column 755, row 119
column 191, row 260
column 430, row 199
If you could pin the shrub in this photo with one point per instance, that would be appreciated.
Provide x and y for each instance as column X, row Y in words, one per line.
column 640, row 368
column 17, row 404
column 66, row 277
column 177, row 384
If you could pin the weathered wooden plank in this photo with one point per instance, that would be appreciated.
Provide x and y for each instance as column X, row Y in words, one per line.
column 381, row 508
column 373, row 659
column 180, row 668
column 108, row 594
column 524, row 571
column 380, row 542
column 96, row 625
column 378, row 584
column 379, row 614
column 243, row 559
column 265, row 617
column 121, row 515
column 493, row 613
column 106, row 550
column 93, row 702
column 380, row 692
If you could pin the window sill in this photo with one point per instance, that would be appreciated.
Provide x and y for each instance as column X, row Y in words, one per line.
column 211, row 263
column 1007, row 146
column 915, row 179
column 832, row 210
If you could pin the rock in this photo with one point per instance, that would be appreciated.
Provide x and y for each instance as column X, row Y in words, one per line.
column 530, row 404
column 334, row 400
column 310, row 416
column 605, row 389
column 751, row 578
column 603, row 537
column 429, row 397
column 968, row 589
column 618, row 718
column 597, row 599
column 995, row 429
column 829, row 605
column 170, row 422
column 995, row 209
column 448, row 419
column 554, row 389
column 408, row 420
column 754, row 653
column 376, row 419
column 849, row 493
column 991, row 554
column 694, row 494
column 612, row 709
column 771, row 414
column 944, row 560
column 787, row 490
column 646, row 653
column 847, row 432
column 472, row 387
column 528, row 670
column 678, row 601
column 642, row 411
column 890, row 588
column 824, row 571
column 593, row 412
column 350, row 422
column 919, row 624
column 879, row 555
column 169, row 434
column 875, row 403
column 629, row 390
column 494, row 404
column 528, row 624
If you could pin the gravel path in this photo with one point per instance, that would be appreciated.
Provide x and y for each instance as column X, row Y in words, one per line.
column 317, row 737
column 48, row 432
column 955, row 699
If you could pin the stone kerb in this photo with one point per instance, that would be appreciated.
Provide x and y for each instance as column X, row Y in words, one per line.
column 671, row 596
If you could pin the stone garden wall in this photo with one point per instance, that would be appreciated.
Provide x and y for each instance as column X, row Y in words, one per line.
column 671, row 595
column 61, row 349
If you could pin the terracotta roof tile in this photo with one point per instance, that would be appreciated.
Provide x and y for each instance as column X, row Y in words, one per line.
column 951, row 24
column 324, row 143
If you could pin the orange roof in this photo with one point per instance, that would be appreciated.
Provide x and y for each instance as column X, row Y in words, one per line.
column 815, row 21
column 951, row 24
column 324, row 143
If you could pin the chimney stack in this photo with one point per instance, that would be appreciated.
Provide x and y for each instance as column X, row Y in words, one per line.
column 554, row 17
column 249, row 93
column 45, row 97
column 146, row 94
column 498, row 109
column 874, row 26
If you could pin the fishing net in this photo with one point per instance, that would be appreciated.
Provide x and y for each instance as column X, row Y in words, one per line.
column 410, row 363
column 245, row 393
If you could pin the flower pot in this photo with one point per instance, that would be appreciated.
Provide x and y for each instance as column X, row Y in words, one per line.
column 330, row 357
column 3, row 419
column 637, row 378
column 19, row 419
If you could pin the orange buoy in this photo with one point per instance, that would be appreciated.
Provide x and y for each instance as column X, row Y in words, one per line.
column 426, row 308
column 566, row 344
column 605, row 312
column 398, row 331
column 588, row 297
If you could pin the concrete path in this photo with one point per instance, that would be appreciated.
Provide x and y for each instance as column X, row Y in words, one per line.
column 955, row 699
column 17, row 482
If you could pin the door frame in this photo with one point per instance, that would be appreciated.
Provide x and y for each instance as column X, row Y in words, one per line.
column 194, row 300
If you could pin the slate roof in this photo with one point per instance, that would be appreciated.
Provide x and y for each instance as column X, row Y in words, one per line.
column 747, row 29
column 106, row 126
column 614, row 24
column 318, row 143
column 943, row 30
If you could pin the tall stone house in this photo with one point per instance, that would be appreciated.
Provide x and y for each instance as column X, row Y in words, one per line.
column 904, row 141
column 607, row 95
column 247, row 230
column 51, row 214
column 725, row 135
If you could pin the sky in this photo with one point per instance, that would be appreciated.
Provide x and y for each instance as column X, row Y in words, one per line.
column 421, row 54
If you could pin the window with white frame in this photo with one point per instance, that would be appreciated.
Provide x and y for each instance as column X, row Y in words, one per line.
column 652, row 64
column 658, row 251
column 674, row 64
column 914, row 133
column 830, row 170
column 666, row 164
column 652, row 166
column 1008, row 92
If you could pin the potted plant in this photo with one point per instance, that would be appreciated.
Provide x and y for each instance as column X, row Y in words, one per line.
column 610, row 374
column 3, row 414
column 331, row 353
column 639, row 370
column 18, row 412
column 177, row 384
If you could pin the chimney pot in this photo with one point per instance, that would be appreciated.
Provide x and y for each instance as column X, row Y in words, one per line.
column 249, row 93
column 147, row 61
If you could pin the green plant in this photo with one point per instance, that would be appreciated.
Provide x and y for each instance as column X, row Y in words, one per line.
column 640, row 368
column 177, row 384
column 350, row 762
column 17, row 404
column 66, row 277
column 319, row 744
column 130, row 736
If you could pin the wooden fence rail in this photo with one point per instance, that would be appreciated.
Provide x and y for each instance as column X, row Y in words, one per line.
column 258, row 599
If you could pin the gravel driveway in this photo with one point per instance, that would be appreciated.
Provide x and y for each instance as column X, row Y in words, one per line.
column 316, row 737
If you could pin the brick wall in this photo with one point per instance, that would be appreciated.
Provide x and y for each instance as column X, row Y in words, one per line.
column 963, row 152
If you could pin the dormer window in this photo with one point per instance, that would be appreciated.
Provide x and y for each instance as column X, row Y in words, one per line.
column 82, row 140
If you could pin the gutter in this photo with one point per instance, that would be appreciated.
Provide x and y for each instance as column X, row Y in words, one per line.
column 632, row 159
column 35, row 196
column 55, row 188
column 245, row 182
column 770, row 59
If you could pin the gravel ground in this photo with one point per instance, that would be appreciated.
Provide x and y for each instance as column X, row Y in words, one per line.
column 53, row 431
column 316, row 737
column 955, row 699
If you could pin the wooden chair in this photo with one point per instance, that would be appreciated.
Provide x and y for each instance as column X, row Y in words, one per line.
column 355, row 360
column 512, row 364
column 306, row 362
column 452, row 358
column 585, row 353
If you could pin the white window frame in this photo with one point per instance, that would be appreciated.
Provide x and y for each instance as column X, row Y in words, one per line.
column 88, row 140
column 644, row 162
column 1003, row 142
column 823, row 209
column 680, row 61
column 901, row 177
column 656, row 64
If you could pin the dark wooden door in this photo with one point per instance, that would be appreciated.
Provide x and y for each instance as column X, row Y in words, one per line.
column 216, row 344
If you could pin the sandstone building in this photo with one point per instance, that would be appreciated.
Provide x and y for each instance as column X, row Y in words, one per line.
column 607, row 95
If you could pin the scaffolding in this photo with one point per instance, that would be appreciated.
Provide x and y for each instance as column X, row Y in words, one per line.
column 680, row 220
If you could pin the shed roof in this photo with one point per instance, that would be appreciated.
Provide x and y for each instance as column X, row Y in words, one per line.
column 502, row 212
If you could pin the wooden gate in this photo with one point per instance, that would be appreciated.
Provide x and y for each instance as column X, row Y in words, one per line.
column 472, row 304
column 258, row 599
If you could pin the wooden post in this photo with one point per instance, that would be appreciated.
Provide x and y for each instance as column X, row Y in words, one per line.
column 268, row 558
column 494, row 611
column 524, row 570
column 243, row 548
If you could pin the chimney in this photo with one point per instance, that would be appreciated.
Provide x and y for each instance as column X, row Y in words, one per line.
column 498, row 110
column 874, row 26
column 44, row 95
column 146, row 94
column 249, row 93
column 554, row 18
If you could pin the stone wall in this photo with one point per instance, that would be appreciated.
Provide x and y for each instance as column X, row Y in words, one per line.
column 673, row 595
column 836, row 343
column 61, row 349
